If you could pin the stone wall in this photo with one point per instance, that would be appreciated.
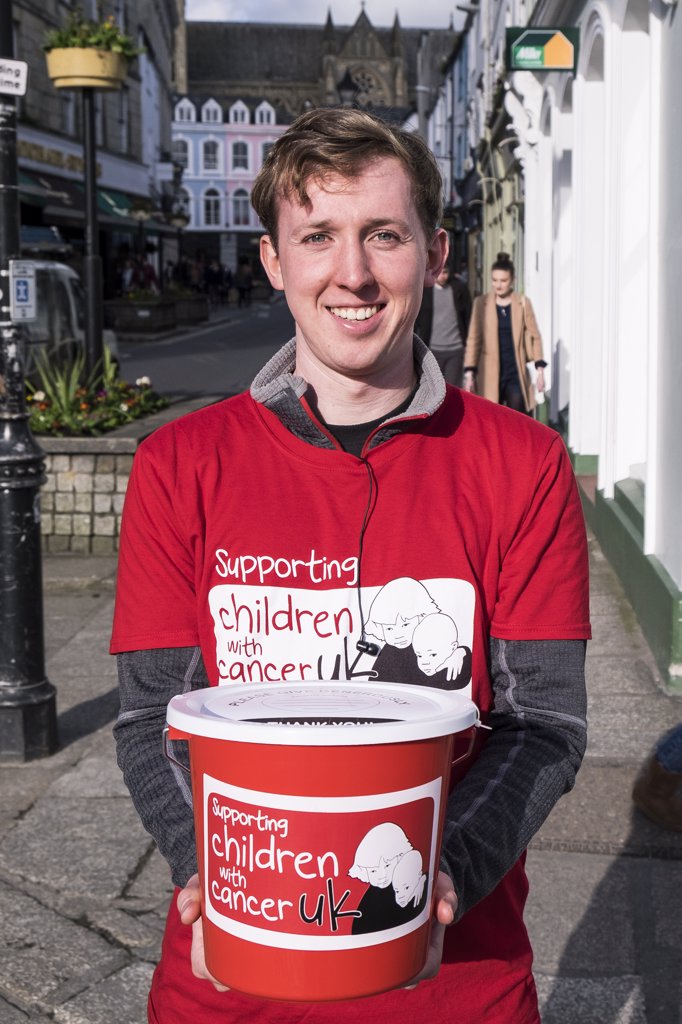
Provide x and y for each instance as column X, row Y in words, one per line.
column 82, row 499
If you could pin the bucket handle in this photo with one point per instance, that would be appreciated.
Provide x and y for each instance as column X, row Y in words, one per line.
column 466, row 753
column 478, row 724
column 169, row 755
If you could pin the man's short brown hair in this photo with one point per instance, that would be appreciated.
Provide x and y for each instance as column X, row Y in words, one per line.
column 343, row 141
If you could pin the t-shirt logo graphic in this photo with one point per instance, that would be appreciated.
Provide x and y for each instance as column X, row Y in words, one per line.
column 424, row 629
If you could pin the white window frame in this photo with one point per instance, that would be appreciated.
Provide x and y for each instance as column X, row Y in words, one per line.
column 217, row 169
column 185, row 111
column 211, row 193
column 241, row 196
column 265, row 113
column 239, row 113
column 237, row 168
column 211, row 112
column 188, row 144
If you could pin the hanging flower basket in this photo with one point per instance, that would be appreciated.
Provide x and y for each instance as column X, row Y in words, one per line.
column 76, row 67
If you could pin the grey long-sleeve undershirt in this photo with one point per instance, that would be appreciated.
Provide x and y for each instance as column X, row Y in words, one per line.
column 529, row 760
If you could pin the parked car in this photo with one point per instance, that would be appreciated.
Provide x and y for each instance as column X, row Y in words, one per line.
column 59, row 328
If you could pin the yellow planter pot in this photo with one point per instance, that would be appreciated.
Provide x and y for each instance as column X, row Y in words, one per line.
column 74, row 68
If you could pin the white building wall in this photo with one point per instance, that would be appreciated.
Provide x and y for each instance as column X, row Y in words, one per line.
column 563, row 269
column 589, row 251
column 602, row 244
column 630, row 255
column 150, row 100
column 668, row 381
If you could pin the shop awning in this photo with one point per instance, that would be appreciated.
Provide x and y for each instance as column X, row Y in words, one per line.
column 114, row 203
column 41, row 242
column 63, row 202
column 30, row 191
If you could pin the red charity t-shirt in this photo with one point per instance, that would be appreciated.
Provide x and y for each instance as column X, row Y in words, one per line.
column 226, row 508
column 243, row 538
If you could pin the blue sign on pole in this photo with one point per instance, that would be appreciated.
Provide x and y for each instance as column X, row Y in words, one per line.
column 22, row 291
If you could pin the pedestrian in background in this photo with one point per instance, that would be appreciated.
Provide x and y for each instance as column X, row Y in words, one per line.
column 503, row 338
column 244, row 281
column 443, row 323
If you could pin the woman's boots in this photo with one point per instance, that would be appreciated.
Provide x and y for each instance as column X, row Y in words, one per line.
column 655, row 793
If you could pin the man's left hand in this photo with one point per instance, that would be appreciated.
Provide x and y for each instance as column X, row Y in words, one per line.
column 444, row 915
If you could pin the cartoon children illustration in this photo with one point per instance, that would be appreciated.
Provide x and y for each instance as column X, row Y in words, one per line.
column 376, row 860
column 438, row 653
column 393, row 616
column 409, row 881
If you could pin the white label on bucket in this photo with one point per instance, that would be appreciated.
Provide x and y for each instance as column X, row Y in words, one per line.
column 298, row 872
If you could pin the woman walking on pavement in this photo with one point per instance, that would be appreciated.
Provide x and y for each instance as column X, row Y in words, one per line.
column 503, row 337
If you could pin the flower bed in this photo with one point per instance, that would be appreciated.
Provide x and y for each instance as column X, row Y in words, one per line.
column 92, row 410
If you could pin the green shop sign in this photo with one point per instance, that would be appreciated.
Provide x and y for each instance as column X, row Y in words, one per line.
column 542, row 49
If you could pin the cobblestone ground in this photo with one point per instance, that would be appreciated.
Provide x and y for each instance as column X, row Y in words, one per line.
column 83, row 892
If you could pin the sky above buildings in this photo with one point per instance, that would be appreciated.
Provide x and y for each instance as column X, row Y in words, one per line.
column 412, row 13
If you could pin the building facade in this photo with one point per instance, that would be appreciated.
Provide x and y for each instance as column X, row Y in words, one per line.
column 575, row 177
column 248, row 81
column 296, row 67
column 220, row 151
column 133, row 135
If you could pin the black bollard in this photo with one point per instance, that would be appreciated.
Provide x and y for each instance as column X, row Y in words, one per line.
column 28, row 716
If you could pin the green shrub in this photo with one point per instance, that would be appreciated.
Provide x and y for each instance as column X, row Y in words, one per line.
column 85, row 33
column 68, row 403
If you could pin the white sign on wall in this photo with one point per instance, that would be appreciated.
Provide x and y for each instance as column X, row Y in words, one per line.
column 13, row 77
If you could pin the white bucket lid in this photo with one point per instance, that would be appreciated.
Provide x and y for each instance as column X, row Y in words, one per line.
column 335, row 713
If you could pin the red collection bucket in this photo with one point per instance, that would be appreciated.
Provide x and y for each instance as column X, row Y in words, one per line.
column 318, row 813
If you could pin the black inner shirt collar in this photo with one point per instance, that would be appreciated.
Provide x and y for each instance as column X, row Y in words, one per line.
column 352, row 437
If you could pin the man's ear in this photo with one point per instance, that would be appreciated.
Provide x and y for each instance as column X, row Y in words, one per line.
column 270, row 261
column 436, row 255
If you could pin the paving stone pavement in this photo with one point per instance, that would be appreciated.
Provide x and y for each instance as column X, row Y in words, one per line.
column 83, row 891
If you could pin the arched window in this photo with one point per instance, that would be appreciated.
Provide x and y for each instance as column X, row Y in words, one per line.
column 212, row 207
column 210, row 155
column 181, row 152
column 184, row 111
column 240, row 208
column 240, row 156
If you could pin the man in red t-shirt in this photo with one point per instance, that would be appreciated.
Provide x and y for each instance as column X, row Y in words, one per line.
column 352, row 477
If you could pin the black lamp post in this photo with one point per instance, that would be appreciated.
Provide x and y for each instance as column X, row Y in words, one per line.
column 89, row 69
column 141, row 214
column 92, row 263
column 179, row 219
column 28, row 715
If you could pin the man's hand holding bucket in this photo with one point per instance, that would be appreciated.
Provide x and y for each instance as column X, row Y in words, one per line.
column 189, row 908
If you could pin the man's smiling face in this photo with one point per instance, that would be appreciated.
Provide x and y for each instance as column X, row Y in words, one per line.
column 353, row 263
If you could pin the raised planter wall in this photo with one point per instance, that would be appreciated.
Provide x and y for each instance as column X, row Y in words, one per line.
column 192, row 309
column 133, row 317
column 82, row 500
column 140, row 317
